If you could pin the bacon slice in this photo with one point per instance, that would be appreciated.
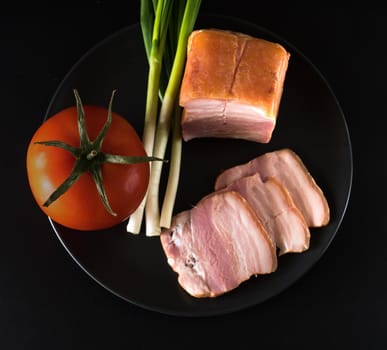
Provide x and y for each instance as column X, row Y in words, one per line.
column 275, row 208
column 289, row 170
column 232, row 86
column 217, row 245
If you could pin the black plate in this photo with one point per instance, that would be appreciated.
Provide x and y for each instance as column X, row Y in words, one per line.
column 310, row 122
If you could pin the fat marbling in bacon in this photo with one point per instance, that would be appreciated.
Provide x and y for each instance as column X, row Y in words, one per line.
column 275, row 208
column 289, row 170
column 232, row 85
column 217, row 245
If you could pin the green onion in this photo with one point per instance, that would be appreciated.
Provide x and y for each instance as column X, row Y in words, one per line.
column 173, row 25
column 154, row 16
column 174, row 170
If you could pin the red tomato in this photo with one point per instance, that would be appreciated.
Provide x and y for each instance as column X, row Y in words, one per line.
column 81, row 207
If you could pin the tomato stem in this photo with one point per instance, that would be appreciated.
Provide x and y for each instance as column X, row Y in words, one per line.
column 92, row 154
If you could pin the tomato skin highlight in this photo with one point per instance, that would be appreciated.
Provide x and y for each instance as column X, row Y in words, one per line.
column 81, row 207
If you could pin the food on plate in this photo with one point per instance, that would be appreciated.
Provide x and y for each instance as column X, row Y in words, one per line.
column 232, row 85
column 217, row 245
column 275, row 208
column 87, row 168
column 234, row 232
column 166, row 26
column 289, row 170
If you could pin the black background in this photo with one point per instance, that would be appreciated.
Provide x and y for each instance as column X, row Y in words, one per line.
column 47, row 301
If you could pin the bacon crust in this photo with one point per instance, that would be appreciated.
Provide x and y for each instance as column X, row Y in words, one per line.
column 232, row 85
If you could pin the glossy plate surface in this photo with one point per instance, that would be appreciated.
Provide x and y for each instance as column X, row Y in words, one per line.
column 310, row 122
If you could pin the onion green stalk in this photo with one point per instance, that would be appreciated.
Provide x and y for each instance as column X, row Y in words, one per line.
column 174, row 170
column 152, row 212
column 180, row 23
column 154, row 16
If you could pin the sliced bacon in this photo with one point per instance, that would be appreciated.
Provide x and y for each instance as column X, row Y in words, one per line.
column 217, row 245
column 275, row 208
column 288, row 169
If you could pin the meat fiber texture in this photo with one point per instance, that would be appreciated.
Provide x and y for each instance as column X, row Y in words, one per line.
column 217, row 245
column 233, row 233
column 276, row 209
column 232, row 86
column 289, row 170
